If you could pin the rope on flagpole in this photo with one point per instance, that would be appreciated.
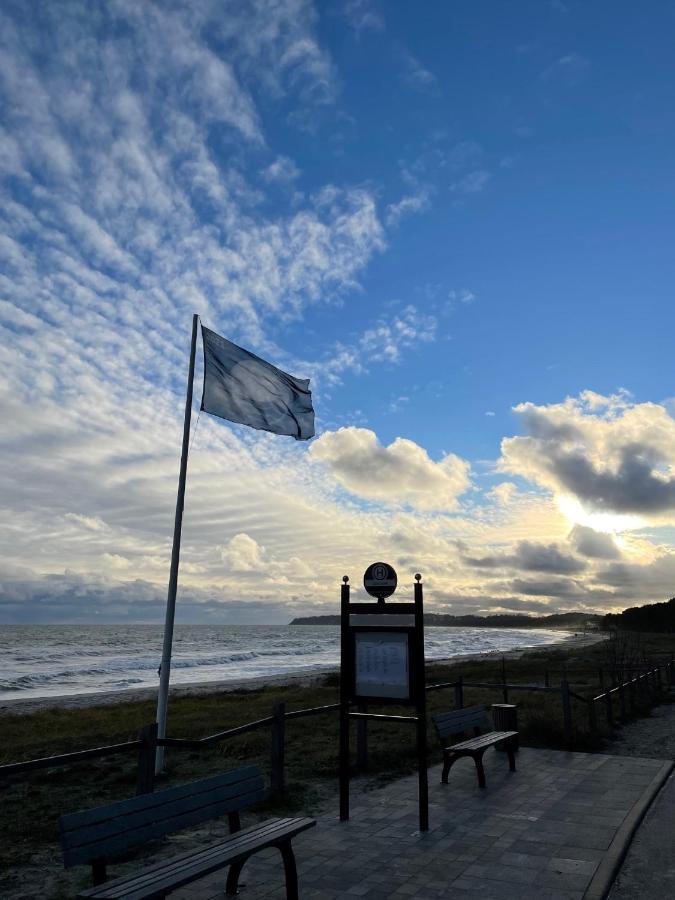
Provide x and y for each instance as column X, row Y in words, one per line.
column 194, row 433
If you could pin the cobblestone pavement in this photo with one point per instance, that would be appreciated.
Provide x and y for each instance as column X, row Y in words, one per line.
column 539, row 832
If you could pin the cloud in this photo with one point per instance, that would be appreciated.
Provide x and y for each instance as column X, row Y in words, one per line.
column 282, row 170
column 399, row 474
column 594, row 544
column 91, row 523
column 640, row 582
column 570, row 69
column 385, row 341
column 362, row 16
column 243, row 554
column 472, row 183
column 411, row 203
column 611, row 454
column 531, row 557
column 416, row 75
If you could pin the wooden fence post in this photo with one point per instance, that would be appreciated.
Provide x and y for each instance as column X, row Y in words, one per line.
column 278, row 749
column 658, row 679
column 608, row 706
column 547, row 682
column 567, row 710
column 362, row 740
column 505, row 690
column 459, row 693
column 601, row 678
column 622, row 701
column 592, row 719
column 145, row 774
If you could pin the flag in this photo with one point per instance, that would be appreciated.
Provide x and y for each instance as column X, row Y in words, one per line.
column 243, row 388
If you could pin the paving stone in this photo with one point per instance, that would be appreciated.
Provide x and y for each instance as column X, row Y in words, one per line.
column 537, row 834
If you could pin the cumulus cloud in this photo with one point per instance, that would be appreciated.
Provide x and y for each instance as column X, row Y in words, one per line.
column 595, row 544
column 243, row 554
column 400, row 474
column 611, row 454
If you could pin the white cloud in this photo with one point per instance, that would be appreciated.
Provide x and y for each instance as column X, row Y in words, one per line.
column 282, row 170
column 611, row 455
column 411, row 203
column 569, row 69
column 416, row 75
column 472, row 183
column 362, row 16
column 243, row 554
column 401, row 473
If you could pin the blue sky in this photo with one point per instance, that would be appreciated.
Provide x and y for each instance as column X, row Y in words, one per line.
column 455, row 219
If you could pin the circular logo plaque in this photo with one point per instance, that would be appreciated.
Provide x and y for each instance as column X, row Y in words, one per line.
column 380, row 580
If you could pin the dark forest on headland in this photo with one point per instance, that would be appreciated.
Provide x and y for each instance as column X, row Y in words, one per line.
column 653, row 617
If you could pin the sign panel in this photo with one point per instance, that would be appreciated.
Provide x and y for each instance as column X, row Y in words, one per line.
column 382, row 664
column 380, row 580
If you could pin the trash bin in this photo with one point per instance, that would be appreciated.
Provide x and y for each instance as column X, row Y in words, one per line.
column 505, row 718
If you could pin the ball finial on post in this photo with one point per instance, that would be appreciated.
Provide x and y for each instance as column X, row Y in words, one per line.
column 345, row 578
column 418, row 577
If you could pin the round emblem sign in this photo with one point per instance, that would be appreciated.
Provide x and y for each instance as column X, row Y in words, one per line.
column 380, row 580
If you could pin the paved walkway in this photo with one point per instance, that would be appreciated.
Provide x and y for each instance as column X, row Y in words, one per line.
column 648, row 872
column 538, row 833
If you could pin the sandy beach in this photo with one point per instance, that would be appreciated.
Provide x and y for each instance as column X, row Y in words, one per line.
column 303, row 678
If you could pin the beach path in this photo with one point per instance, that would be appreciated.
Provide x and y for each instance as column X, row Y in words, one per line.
column 550, row 831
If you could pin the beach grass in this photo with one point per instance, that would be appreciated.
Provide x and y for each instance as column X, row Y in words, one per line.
column 33, row 803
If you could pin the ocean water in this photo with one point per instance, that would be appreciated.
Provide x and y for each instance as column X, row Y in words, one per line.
column 54, row 660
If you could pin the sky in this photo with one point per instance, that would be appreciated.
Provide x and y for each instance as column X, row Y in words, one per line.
column 454, row 218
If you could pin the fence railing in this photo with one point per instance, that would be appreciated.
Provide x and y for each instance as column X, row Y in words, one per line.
column 617, row 702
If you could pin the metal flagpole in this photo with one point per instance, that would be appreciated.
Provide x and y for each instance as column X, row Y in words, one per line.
column 165, row 670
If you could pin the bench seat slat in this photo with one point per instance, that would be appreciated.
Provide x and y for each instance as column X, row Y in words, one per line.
column 125, row 840
column 188, row 867
column 484, row 740
column 165, row 809
column 176, row 864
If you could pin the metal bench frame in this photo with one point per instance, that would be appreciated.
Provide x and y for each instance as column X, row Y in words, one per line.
column 460, row 721
column 95, row 836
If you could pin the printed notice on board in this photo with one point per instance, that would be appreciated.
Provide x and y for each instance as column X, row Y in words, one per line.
column 382, row 664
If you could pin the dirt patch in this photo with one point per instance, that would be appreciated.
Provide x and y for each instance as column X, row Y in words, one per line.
column 653, row 736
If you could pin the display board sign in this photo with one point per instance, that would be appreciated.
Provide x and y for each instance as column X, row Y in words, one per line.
column 380, row 580
column 382, row 664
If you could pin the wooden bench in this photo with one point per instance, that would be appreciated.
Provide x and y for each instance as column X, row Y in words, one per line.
column 462, row 721
column 95, row 836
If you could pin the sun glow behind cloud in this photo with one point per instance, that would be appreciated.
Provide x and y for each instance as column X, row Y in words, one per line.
column 606, row 522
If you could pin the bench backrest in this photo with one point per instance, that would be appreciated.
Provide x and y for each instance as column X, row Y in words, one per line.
column 106, row 831
column 458, row 721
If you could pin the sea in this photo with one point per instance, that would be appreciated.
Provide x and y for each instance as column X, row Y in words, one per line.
column 58, row 660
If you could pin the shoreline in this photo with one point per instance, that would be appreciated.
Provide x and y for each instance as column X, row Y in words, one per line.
column 301, row 678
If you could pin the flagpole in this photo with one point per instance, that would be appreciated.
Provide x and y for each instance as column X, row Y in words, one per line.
column 165, row 670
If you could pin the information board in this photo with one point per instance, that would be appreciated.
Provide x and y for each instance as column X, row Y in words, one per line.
column 382, row 664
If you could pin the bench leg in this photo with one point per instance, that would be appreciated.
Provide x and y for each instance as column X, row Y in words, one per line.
column 512, row 758
column 232, row 883
column 290, row 871
column 448, row 760
column 478, row 759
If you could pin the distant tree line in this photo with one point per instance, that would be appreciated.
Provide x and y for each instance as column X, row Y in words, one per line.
column 651, row 617
column 573, row 621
